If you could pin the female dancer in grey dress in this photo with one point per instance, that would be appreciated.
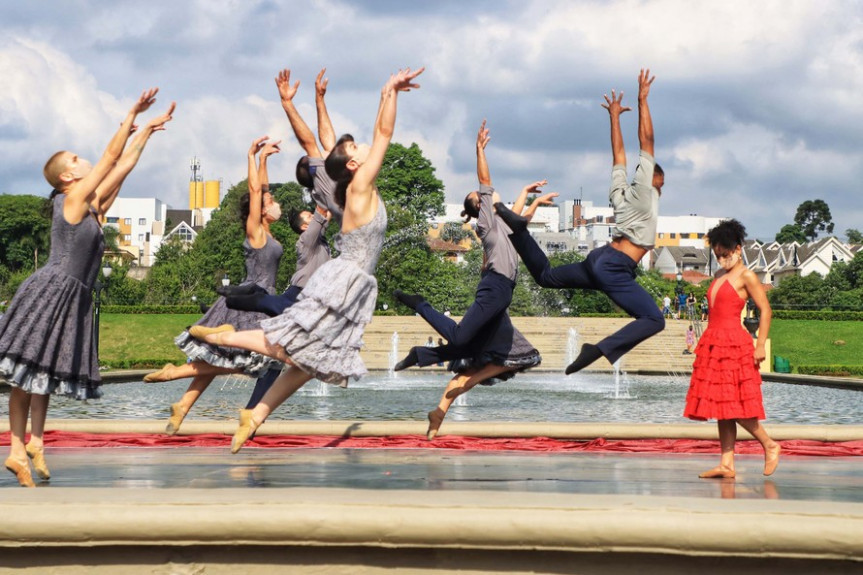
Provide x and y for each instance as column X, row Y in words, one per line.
column 263, row 254
column 320, row 335
column 46, row 338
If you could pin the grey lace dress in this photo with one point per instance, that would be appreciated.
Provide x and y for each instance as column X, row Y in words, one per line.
column 261, row 267
column 46, row 335
column 322, row 333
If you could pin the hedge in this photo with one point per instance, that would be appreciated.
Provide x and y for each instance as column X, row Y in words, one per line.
column 831, row 370
column 154, row 309
column 139, row 363
column 826, row 315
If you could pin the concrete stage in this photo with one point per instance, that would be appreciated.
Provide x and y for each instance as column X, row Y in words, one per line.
column 369, row 511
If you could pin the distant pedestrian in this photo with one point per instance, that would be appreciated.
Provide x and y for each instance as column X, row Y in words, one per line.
column 666, row 307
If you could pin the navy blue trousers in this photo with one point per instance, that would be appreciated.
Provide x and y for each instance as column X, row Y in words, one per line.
column 493, row 296
column 272, row 305
column 609, row 271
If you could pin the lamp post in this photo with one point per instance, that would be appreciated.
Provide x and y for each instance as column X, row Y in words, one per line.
column 226, row 281
column 97, row 311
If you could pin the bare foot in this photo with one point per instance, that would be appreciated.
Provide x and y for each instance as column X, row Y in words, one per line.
column 718, row 472
column 435, row 421
column 771, row 459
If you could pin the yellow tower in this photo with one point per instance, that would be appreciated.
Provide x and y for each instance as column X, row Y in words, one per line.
column 211, row 194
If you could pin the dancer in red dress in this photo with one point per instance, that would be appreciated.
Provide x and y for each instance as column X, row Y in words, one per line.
column 726, row 383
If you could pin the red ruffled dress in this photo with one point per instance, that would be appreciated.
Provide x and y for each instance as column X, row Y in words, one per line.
column 725, row 382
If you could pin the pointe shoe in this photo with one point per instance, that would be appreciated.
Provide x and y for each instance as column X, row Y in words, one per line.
column 37, row 454
column 771, row 460
column 435, row 420
column 163, row 374
column 202, row 331
column 21, row 471
column 718, row 472
column 244, row 431
column 178, row 414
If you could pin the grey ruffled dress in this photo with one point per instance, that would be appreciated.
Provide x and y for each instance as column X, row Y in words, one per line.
column 322, row 333
column 46, row 335
column 261, row 267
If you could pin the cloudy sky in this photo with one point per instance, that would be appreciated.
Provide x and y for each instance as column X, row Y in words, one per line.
column 757, row 106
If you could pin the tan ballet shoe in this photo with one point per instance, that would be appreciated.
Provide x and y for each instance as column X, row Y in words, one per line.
column 771, row 459
column 718, row 472
column 201, row 331
column 178, row 414
column 247, row 428
column 37, row 454
column 435, row 420
column 163, row 374
column 21, row 471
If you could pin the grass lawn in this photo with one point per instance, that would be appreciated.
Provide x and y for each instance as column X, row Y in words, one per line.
column 807, row 342
column 142, row 336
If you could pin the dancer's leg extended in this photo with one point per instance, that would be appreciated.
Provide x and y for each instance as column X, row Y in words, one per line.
column 262, row 385
column 285, row 386
column 272, row 305
column 614, row 273
column 171, row 372
column 252, row 340
column 461, row 383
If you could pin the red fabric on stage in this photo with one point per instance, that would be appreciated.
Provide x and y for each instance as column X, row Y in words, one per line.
column 599, row 445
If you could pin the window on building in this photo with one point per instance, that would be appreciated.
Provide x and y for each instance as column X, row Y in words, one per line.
column 127, row 237
column 185, row 234
column 140, row 238
column 142, row 221
column 673, row 235
column 113, row 220
column 127, row 221
column 661, row 235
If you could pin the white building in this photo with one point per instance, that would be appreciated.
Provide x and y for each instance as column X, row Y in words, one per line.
column 140, row 222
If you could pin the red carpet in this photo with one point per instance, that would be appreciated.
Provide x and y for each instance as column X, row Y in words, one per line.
column 600, row 445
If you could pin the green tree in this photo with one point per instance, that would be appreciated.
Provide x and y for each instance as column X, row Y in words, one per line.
column 25, row 232
column 454, row 232
column 813, row 216
column 408, row 179
column 791, row 233
column 799, row 292
column 854, row 236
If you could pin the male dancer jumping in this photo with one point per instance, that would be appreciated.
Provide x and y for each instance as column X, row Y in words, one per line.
column 611, row 268
column 312, row 248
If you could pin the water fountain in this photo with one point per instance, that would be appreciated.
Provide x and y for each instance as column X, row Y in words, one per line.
column 618, row 392
column 571, row 345
column 394, row 354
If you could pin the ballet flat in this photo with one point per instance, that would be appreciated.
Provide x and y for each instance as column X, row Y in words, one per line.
column 177, row 417
column 244, row 431
column 37, row 454
column 21, row 471
column 202, row 331
column 717, row 473
column 161, row 375
column 435, row 420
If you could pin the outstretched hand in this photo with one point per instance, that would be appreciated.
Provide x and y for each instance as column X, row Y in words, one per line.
column 147, row 98
column 613, row 105
column 644, row 82
column 482, row 137
column 270, row 148
column 158, row 123
column 257, row 145
column 321, row 83
column 402, row 81
column 546, row 200
column 534, row 188
column 283, row 82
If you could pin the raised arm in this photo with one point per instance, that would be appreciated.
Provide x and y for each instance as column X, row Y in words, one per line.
column 614, row 111
column 645, row 124
column 107, row 190
column 268, row 150
column 521, row 200
column 304, row 135
column 364, row 178
column 544, row 200
column 482, row 172
column 254, row 230
column 78, row 199
column 326, row 134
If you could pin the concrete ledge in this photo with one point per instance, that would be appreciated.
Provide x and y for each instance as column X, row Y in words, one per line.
column 819, row 380
column 337, row 518
column 465, row 428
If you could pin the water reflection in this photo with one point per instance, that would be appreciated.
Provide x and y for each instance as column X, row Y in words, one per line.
column 528, row 397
